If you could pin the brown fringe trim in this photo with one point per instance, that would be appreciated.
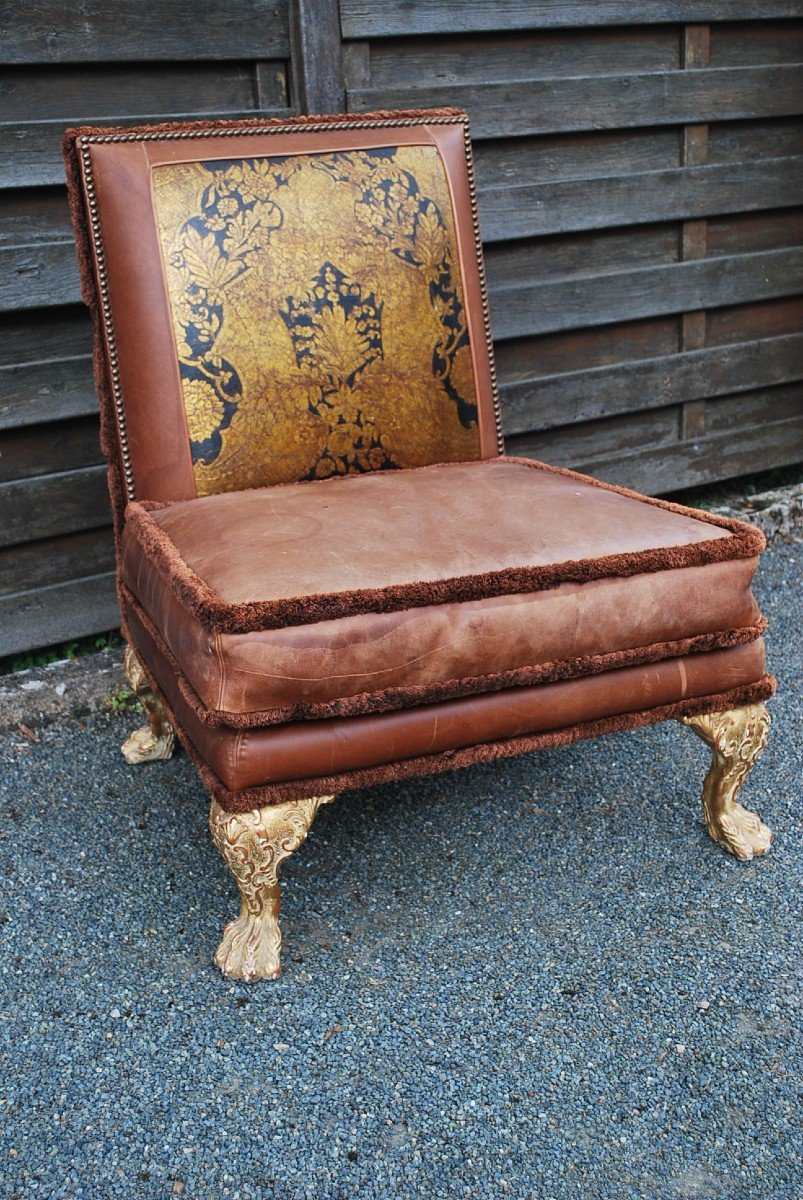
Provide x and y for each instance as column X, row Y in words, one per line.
column 214, row 123
column 393, row 699
column 198, row 597
column 278, row 793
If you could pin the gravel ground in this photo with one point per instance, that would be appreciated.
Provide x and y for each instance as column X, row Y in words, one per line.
column 535, row 979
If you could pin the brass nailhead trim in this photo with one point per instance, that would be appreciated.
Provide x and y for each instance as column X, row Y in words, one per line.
column 306, row 127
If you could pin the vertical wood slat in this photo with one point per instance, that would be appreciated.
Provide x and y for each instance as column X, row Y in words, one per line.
column 696, row 53
column 316, row 55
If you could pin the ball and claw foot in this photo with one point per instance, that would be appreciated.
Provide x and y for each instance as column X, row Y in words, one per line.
column 254, row 844
column 737, row 738
column 156, row 740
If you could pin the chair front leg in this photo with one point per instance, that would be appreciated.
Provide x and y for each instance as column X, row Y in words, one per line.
column 737, row 738
column 254, row 844
column 157, row 739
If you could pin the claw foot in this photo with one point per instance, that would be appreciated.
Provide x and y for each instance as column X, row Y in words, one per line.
column 737, row 738
column 143, row 745
column 254, row 844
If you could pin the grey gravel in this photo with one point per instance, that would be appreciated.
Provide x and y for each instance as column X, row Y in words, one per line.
column 536, row 978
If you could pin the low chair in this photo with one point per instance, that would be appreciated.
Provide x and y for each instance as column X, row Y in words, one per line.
column 330, row 574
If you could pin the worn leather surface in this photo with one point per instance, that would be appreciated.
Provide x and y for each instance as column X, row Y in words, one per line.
column 413, row 526
column 306, row 749
column 140, row 225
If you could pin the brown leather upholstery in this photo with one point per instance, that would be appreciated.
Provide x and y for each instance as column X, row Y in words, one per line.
column 313, row 749
column 462, row 525
column 257, row 341
column 283, row 301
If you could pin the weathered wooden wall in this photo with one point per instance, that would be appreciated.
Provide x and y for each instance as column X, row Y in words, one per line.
column 638, row 165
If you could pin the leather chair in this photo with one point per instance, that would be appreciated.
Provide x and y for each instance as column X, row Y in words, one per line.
column 329, row 573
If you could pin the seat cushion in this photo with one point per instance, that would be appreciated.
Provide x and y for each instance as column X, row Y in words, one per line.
column 249, row 767
column 379, row 591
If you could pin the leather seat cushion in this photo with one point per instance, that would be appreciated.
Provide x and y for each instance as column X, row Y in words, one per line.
column 378, row 591
column 330, row 755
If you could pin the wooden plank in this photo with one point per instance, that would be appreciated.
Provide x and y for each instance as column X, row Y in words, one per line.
column 569, row 444
column 56, row 560
column 30, row 153
column 57, row 614
column 552, row 400
column 510, row 162
column 401, row 18
column 666, row 468
column 101, row 92
column 39, row 274
column 524, row 309
column 541, row 55
column 317, row 57
column 737, row 234
column 742, row 141
column 46, row 449
column 741, row 322
column 53, row 504
column 565, row 352
column 50, row 31
column 746, row 43
column 595, row 252
column 44, row 336
column 51, row 391
column 517, row 107
column 692, row 191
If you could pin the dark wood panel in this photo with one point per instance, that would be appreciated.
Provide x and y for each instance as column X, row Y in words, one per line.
column 102, row 92
column 49, row 391
column 53, row 504
column 45, row 335
column 573, row 350
column 742, row 141
column 666, row 468
column 37, row 275
column 559, row 207
column 46, row 449
column 468, row 60
column 547, row 401
column 514, row 161
column 566, row 445
column 594, row 252
column 57, row 614
column 734, row 234
column 524, row 309
column 56, row 560
column 744, row 43
column 393, row 18
column 50, row 31
column 740, row 322
column 501, row 109
column 30, row 154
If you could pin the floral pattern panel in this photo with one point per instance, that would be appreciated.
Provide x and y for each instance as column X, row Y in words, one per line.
column 318, row 314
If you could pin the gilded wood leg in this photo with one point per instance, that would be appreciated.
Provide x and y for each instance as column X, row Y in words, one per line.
column 737, row 738
column 254, row 845
column 156, row 740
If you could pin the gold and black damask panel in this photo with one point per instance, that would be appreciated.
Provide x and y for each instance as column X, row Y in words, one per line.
column 318, row 314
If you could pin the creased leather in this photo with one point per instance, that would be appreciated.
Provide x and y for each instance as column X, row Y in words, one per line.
column 249, row 758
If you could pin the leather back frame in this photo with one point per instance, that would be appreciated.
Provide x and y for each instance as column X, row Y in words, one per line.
column 134, row 316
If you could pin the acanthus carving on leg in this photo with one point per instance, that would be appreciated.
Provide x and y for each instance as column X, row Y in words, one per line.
column 157, row 739
column 737, row 738
column 254, row 844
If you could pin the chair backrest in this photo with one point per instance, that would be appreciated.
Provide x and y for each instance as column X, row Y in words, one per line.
column 284, row 300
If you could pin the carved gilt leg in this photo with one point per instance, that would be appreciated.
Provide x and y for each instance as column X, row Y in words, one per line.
column 156, row 740
column 737, row 738
column 254, row 845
